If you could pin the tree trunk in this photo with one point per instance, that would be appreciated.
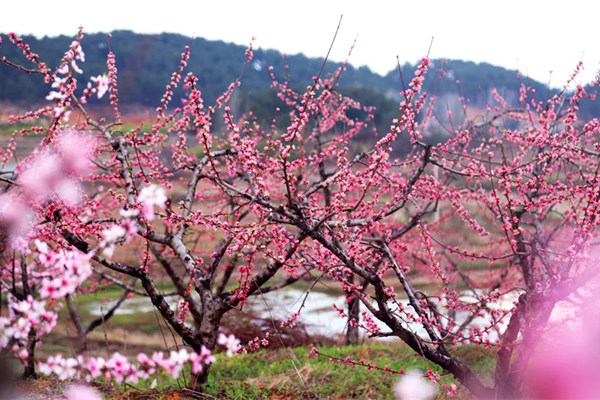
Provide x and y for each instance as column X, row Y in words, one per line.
column 207, row 331
column 6, row 372
column 198, row 382
column 29, row 372
column 81, row 333
column 353, row 316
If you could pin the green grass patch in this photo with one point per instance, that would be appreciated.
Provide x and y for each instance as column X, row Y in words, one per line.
column 294, row 371
column 269, row 374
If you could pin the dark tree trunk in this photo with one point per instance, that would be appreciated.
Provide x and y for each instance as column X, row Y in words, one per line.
column 6, row 373
column 31, row 337
column 29, row 372
column 207, row 331
column 353, row 316
column 198, row 381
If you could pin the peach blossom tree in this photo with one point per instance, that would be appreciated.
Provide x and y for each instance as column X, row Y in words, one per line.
column 499, row 220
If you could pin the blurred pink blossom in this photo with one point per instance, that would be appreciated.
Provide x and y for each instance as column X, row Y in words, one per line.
column 82, row 393
column 413, row 386
column 150, row 196
column 76, row 152
column 231, row 343
column 565, row 366
column 41, row 177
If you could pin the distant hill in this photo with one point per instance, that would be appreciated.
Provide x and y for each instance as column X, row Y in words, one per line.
column 145, row 63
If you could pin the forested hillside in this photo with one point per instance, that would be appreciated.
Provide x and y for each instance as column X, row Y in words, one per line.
column 145, row 64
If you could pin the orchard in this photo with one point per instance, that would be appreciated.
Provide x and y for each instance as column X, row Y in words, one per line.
column 500, row 218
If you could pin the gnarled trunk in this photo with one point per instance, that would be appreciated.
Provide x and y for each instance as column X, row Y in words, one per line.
column 207, row 332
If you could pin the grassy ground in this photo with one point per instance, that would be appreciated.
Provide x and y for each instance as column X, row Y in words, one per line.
column 290, row 374
column 256, row 376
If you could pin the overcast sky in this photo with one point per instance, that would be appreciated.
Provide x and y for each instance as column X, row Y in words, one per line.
column 532, row 36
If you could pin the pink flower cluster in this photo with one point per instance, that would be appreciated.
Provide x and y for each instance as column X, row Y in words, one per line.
column 52, row 174
column 31, row 56
column 71, row 268
column 66, row 86
column 149, row 197
column 24, row 316
column 112, row 83
column 175, row 78
column 102, row 82
column 231, row 343
column 121, row 369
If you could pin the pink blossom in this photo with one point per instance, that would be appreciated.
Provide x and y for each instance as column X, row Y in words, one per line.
column 102, row 82
column 413, row 386
column 69, row 191
column 131, row 213
column 23, row 354
column 111, row 235
column 76, row 151
column 231, row 343
column 41, row 177
column 55, row 96
column 82, row 393
column 79, row 54
column 119, row 367
column 95, row 366
column 63, row 70
column 452, row 391
column 149, row 197
column 122, row 370
column 199, row 360
column 15, row 216
column 58, row 82
column 72, row 269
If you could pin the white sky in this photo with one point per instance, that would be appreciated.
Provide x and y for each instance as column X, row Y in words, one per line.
column 532, row 36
